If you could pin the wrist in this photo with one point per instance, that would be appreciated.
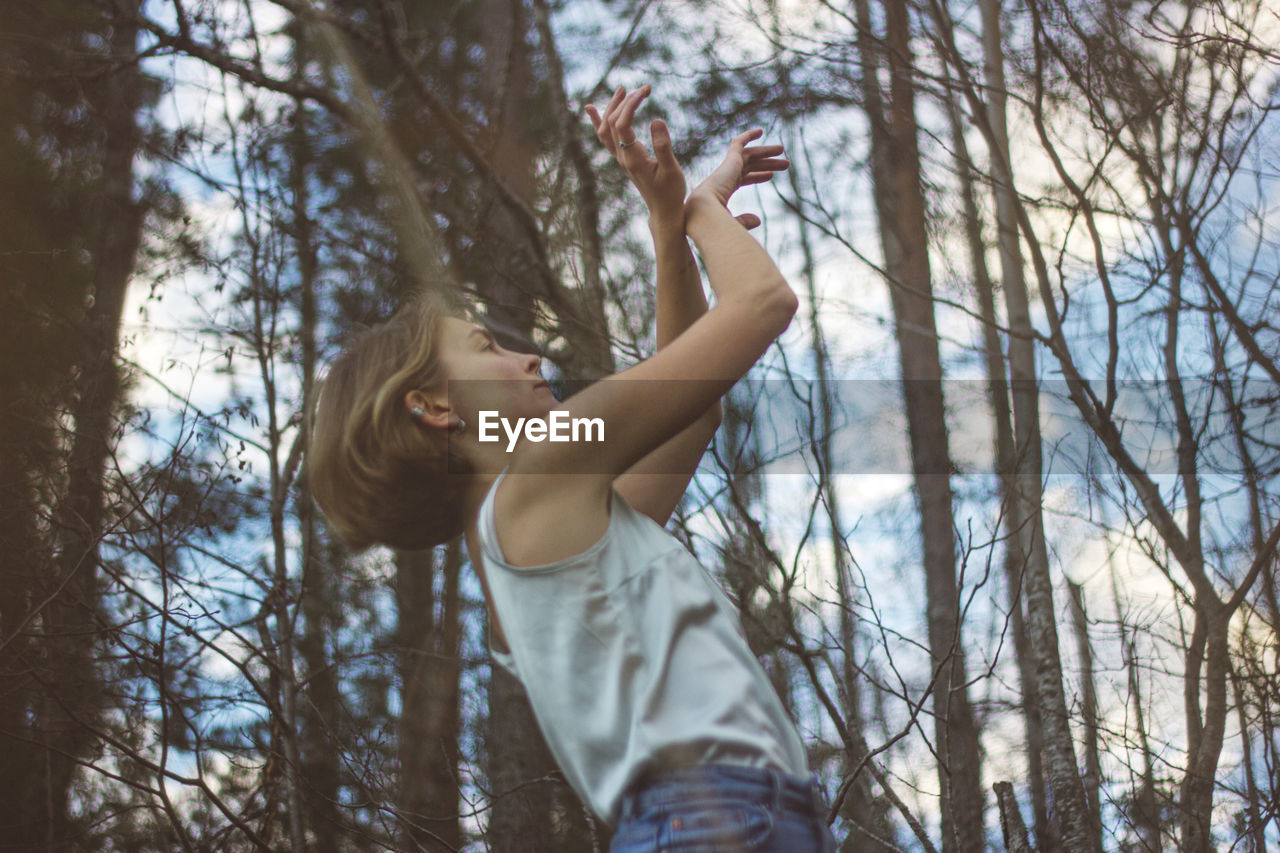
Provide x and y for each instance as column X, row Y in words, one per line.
column 668, row 231
column 666, row 218
column 701, row 198
column 702, row 205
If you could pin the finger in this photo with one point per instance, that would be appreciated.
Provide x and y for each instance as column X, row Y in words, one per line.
column 605, row 129
column 748, row 220
column 761, row 151
column 627, row 112
column 662, row 149
column 771, row 165
column 594, row 116
column 618, row 94
column 615, row 104
column 742, row 139
column 633, row 155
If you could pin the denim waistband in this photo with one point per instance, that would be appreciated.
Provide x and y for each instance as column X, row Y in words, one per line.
column 686, row 785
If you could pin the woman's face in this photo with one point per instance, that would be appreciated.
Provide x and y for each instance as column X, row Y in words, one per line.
column 483, row 376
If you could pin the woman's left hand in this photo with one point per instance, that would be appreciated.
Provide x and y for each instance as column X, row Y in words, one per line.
column 743, row 165
column 659, row 178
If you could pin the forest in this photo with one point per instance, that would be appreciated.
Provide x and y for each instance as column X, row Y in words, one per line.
column 1000, row 508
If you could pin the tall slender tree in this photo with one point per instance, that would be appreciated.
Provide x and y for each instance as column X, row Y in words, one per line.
column 1010, row 507
column 429, row 732
column 321, row 706
column 72, row 133
column 900, row 208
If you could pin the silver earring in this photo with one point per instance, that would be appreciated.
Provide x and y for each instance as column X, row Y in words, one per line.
column 417, row 411
column 461, row 425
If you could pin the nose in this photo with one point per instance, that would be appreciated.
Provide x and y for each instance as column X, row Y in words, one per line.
column 533, row 361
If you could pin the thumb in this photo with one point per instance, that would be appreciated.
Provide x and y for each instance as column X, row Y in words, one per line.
column 741, row 140
column 748, row 220
column 661, row 137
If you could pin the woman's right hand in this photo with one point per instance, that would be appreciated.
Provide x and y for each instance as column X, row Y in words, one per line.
column 659, row 178
column 742, row 166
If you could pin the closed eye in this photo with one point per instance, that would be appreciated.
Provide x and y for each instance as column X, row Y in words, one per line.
column 486, row 339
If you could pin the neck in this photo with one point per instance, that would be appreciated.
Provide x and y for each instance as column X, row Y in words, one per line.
column 474, row 495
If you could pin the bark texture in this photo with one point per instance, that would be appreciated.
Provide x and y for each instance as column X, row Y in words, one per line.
column 900, row 206
column 1025, row 477
column 430, row 641
column 71, row 680
column 1002, row 421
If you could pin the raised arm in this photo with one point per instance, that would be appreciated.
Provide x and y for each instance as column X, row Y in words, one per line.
column 661, row 183
column 647, row 404
column 655, row 483
column 680, row 300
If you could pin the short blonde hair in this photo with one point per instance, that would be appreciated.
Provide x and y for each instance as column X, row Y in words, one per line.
column 377, row 473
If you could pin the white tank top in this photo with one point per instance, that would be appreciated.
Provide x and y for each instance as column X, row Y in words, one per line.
column 634, row 659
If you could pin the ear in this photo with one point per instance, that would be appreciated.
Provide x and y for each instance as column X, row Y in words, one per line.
column 430, row 409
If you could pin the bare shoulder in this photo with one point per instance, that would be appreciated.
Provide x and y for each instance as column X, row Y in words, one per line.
column 542, row 518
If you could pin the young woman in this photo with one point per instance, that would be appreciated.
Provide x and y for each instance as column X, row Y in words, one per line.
column 636, row 667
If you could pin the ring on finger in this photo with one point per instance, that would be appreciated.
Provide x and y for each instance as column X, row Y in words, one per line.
column 622, row 144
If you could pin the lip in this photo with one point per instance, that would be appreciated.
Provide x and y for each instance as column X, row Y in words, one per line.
column 542, row 384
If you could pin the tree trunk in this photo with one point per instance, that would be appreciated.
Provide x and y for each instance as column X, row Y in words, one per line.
column 867, row 814
column 1002, row 420
column 430, row 668
column 22, row 807
column 321, row 710
column 520, row 767
column 1011, row 825
column 1042, row 629
column 1088, row 710
column 72, row 616
column 1257, row 825
column 900, row 207
column 40, row 281
column 1210, row 646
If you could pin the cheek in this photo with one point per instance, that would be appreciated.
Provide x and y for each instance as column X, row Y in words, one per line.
column 462, row 387
column 465, row 371
column 481, row 392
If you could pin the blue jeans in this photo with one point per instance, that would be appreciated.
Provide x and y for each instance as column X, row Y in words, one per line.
column 719, row 808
